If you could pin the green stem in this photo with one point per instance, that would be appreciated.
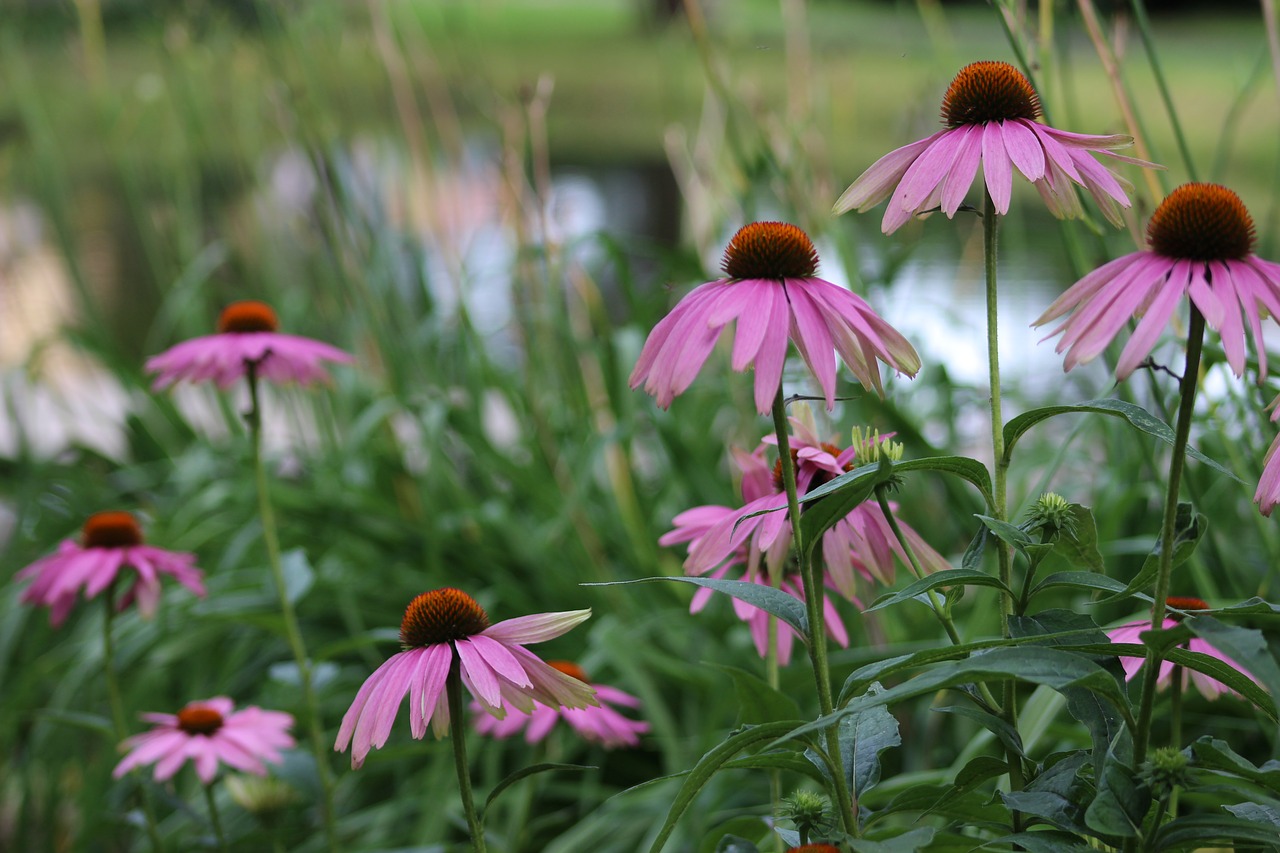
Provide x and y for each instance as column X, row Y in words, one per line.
column 1187, row 390
column 458, row 734
column 1009, row 703
column 934, row 600
column 1175, row 731
column 292, row 631
column 214, row 819
column 1144, row 30
column 117, row 711
column 813, row 594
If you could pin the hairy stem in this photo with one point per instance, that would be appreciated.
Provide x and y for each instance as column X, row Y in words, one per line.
column 813, row 594
column 458, row 734
column 1009, row 703
column 1190, row 379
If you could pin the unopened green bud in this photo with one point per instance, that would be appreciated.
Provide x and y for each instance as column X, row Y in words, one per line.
column 871, row 446
column 1165, row 771
column 265, row 797
column 809, row 811
column 1051, row 513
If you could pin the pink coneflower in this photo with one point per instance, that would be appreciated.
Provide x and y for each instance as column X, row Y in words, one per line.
column 772, row 291
column 1201, row 245
column 110, row 541
column 246, row 338
column 601, row 724
column 1268, row 492
column 1210, row 688
column 992, row 117
column 208, row 733
column 440, row 627
column 862, row 542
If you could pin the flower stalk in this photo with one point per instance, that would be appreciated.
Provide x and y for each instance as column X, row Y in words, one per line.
column 1182, row 430
column 214, row 820
column 813, row 595
column 1009, row 701
column 458, row 734
column 271, row 538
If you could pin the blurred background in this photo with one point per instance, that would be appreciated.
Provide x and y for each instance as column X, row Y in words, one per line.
column 491, row 202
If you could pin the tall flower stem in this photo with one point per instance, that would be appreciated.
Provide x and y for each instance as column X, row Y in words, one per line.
column 458, row 734
column 1009, row 703
column 813, row 594
column 1186, row 403
column 292, row 631
column 214, row 820
column 117, row 710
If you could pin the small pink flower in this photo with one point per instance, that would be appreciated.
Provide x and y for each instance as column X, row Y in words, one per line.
column 111, row 541
column 495, row 666
column 208, row 733
column 1201, row 240
column 247, row 337
column 601, row 724
column 1210, row 688
column 862, row 542
column 772, row 291
column 993, row 118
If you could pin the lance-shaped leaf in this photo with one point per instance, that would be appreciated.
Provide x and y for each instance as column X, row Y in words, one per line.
column 786, row 607
column 950, row 577
column 1189, row 528
column 1135, row 415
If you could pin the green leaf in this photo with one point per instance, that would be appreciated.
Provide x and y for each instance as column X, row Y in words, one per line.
column 863, row 737
column 525, row 772
column 1135, row 415
column 1256, row 812
column 1080, row 580
column 836, row 499
column 1057, row 795
column 1189, row 527
column 951, row 577
column 1007, row 734
column 786, row 607
column 1050, row 841
column 907, row 842
column 1201, row 830
column 1078, row 543
column 1210, row 753
column 79, row 719
column 1008, row 533
column 979, row 770
column 1245, row 646
column 710, row 763
column 786, row 760
column 1200, row 662
column 973, row 808
column 972, row 558
column 757, row 700
column 1100, row 717
column 1035, row 664
column 1120, row 804
column 862, row 678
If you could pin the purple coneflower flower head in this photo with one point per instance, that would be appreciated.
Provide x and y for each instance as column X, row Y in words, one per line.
column 601, row 724
column 209, row 733
column 1210, row 688
column 772, row 291
column 446, row 628
column 247, row 338
column 110, row 542
column 1201, row 245
column 862, row 543
column 992, row 116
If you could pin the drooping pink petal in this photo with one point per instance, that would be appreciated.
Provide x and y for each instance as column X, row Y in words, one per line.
column 996, row 167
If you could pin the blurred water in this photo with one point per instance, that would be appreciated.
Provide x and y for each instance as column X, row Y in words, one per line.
column 461, row 222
